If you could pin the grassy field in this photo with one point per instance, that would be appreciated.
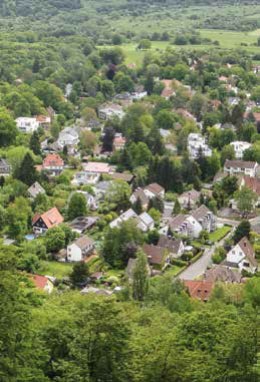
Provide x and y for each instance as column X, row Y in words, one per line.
column 55, row 269
column 227, row 40
column 219, row 234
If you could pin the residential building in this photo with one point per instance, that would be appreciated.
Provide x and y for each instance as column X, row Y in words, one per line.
column 129, row 214
column 68, row 137
column 242, row 256
column 157, row 257
column 168, row 90
column 199, row 289
column 145, row 222
column 111, row 110
column 197, row 145
column 119, row 142
column 141, row 195
column 220, row 273
column 154, row 190
column 42, row 222
column 175, row 247
column 27, row 124
column 192, row 225
column 252, row 183
column 205, row 218
column 91, row 173
column 35, row 190
column 44, row 121
column 83, row 223
column 240, row 147
column 83, row 178
column 80, row 249
column 238, row 167
column 5, row 168
column 189, row 199
column 42, row 283
column 53, row 164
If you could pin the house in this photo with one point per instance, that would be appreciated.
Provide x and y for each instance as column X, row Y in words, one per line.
column 27, row 124
column 199, row 289
column 111, row 110
column 239, row 148
column 154, row 190
column 42, row 222
column 252, row 183
column 91, row 173
column 44, row 121
column 145, row 222
column 189, row 199
column 220, row 273
column 90, row 200
column 42, row 283
column 192, row 225
column 53, row 164
column 119, row 142
column 168, row 90
column 175, row 247
column 68, row 137
column 197, row 145
column 141, row 195
column 157, row 256
column 185, row 225
column 205, row 218
column 129, row 214
column 242, row 256
column 126, row 177
column 80, row 249
column 83, row 223
column 35, row 190
column 237, row 167
column 5, row 168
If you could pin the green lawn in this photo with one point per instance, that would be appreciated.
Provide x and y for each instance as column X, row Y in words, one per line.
column 174, row 270
column 219, row 234
column 55, row 269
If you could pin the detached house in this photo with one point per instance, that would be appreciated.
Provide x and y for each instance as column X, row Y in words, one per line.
column 157, row 257
column 119, row 142
column 192, row 225
column 68, row 137
column 91, row 173
column 154, row 190
column 189, row 199
column 242, row 256
column 80, row 249
column 44, row 121
column 239, row 148
column 200, row 290
column 42, row 283
column 27, row 124
column 35, row 190
column 196, row 144
column 174, row 246
column 53, row 164
column 238, row 167
column 42, row 222
column 111, row 110
column 5, row 168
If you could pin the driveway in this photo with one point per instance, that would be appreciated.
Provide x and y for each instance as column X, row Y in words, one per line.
column 200, row 266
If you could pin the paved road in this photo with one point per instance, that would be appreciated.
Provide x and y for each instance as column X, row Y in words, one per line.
column 199, row 267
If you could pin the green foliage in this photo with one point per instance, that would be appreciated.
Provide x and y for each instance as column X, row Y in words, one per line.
column 140, row 277
column 242, row 230
column 77, row 206
column 55, row 239
column 80, row 273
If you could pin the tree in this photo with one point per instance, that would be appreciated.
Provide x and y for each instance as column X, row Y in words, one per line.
column 119, row 193
column 242, row 230
column 176, row 208
column 80, row 273
column 8, row 129
column 137, row 206
column 140, row 277
column 156, row 203
column 245, row 199
column 108, row 139
column 26, row 173
column 77, row 206
column 121, row 243
column 165, row 119
column 55, row 239
column 35, row 144
column 88, row 140
column 144, row 44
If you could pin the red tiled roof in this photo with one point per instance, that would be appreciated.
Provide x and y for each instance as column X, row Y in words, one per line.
column 199, row 289
column 39, row 281
column 53, row 160
column 51, row 218
column 253, row 184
